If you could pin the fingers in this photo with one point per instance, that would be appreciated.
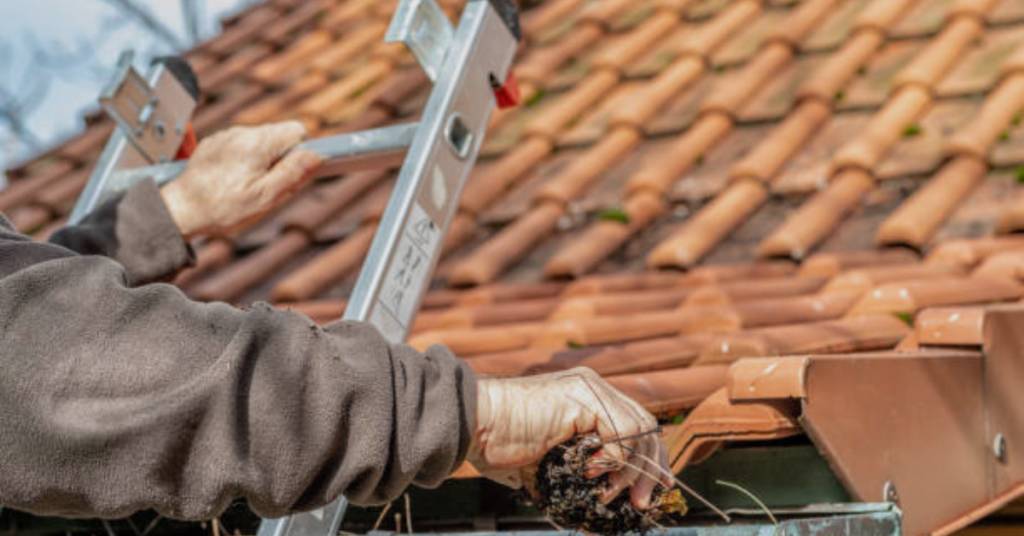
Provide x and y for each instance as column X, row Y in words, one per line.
column 641, row 494
column 279, row 138
column 290, row 172
column 632, row 458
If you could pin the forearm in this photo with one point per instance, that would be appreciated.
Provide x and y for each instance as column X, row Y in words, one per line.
column 136, row 230
column 117, row 399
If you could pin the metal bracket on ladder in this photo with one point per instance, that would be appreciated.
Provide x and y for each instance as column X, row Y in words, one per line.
column 152, row 116
column 470, row 68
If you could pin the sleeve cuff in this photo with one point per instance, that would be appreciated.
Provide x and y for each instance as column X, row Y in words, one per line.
column 150, row 246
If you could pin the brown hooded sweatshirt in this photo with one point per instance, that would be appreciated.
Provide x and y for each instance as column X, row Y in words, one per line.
column 117, row 396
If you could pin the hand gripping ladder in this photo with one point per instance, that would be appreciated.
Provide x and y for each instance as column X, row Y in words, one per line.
column 469, row 66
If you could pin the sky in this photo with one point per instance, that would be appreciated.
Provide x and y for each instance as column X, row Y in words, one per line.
column 83, row 39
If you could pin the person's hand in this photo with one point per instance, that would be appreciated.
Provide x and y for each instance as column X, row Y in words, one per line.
column 232, row 178
column 519, row 420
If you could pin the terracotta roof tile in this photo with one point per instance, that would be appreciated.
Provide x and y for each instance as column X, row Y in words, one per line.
column 670, row 391
column 854, row 334
column 622, row 50
column 919, row 150
column 928, row 68
column 830, row 77
column 580, row 174
column 1006, row 12
column 659, row 173
column 334, row 59
column 802, row 21
column 780, row 95
column 835, row 30
column 330, row 97
column 866, row 278
column 302, row 17
column 734, row 92
column 628, row 358
column 920, row 216
column 317, row 207
column 882, row 15
column 748, row 40
column 1012, row 218
column 29, row 218
column 605, row 11
column 606, row 236
column 976, row 8
column 1008, row 264
column 713, row 223
column 571, row 105
column 24, row 190
column 874, row 82
column 980, row 68
column 998, row 110
column 280, row 67
column 541, row 63
column 211, row 255
column 229, row 103
column 973, row 251
column 348, row 13
column 912, row 296
column 249, row 26
column 710, row 36
column 486, row 263
column 768, row 157
column 60, row 198
column 277, row 105
column 950, row 326
column 547, row 14
column 231, row 282
column 88, row 144
column 718, row 420
column 327, row 269
column 813, row 221
column 885, row 129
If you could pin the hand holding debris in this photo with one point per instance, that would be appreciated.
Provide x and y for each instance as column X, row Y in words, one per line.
column 520, row 419
column 238, row 175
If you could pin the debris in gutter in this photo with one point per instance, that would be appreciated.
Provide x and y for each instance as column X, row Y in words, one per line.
column 562, row 492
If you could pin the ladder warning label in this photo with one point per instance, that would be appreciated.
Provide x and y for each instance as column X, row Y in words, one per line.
column 408, row 274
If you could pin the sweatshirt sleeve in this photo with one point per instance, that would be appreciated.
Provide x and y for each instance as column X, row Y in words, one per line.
column 117, row 399
column 136, row 230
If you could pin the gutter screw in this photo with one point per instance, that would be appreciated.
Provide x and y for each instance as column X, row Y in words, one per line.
column 999, row 447
column 889, row 493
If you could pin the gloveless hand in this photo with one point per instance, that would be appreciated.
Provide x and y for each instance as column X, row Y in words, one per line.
column 519, row 420
column 232, row 178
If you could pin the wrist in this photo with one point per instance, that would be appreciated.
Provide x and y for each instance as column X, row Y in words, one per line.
column 484, row 388
column 179, row 206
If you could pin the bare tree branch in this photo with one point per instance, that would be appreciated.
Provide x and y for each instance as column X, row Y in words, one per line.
column 191, row 11
column 12, row 113
column 17, row 101
column 143, row 16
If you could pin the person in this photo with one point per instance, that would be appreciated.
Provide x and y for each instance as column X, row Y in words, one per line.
column 121, row 394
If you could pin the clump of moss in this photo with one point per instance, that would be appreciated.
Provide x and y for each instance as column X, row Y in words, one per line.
column 572, row 501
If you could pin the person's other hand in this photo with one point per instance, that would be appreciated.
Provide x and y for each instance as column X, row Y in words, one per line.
column 519, row 420
column 237, row 175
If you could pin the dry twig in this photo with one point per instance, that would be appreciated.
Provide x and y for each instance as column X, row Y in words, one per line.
column 408, row 514
column 380, row 519
column 752, row 497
